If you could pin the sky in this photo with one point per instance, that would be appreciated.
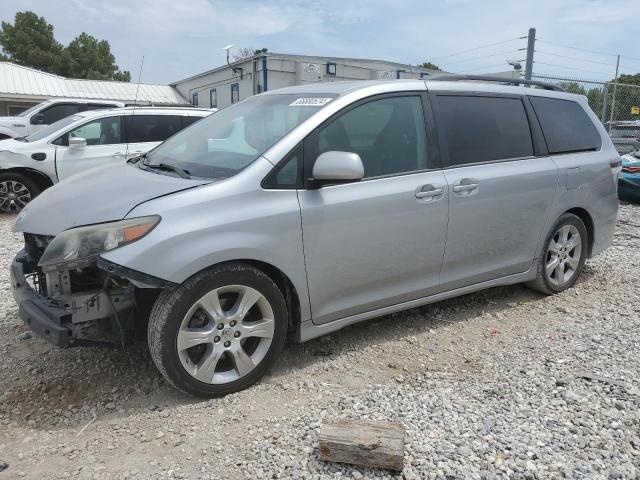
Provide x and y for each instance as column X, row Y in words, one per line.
column 179, row 38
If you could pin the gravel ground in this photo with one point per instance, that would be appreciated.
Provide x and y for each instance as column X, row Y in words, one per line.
column 504, row 383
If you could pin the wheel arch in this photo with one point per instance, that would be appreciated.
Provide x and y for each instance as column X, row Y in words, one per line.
column 282, row 281
column 586, row 218
column 42, row 179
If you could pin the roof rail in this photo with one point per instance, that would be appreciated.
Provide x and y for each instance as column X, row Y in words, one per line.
column 489, row 78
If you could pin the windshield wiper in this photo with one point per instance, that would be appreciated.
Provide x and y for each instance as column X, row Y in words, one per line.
column 168, row 167
column 134, row 160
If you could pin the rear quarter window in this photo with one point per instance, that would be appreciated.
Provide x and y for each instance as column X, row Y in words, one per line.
column 565, row 125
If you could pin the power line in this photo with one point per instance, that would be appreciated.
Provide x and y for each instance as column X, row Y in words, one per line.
column 576, row 59
column 571, row 68
column 482, row 68
column 475, row 48
column 608, row 54
column 479, row 58
column 576, row 48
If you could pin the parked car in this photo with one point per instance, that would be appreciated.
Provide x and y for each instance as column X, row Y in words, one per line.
column 303, row 210
column 81, row 142
column 39, row 116
column 629, row 179
column 625, row 136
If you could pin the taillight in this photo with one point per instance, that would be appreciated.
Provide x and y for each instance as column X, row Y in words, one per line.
column 616, row 166
column 629, row 169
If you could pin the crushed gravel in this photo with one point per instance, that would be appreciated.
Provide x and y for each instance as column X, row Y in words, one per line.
column 504, row 383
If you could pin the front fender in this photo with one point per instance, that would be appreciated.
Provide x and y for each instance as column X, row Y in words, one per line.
column 220, row 223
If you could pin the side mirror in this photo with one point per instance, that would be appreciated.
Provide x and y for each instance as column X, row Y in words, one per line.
column 338, row 167
column 77, row 143
column 37, row 119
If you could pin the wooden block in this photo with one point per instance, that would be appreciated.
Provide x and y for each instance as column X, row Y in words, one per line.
column 362, row 442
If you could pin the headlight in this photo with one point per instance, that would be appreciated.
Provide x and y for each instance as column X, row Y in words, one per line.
column 77, row 245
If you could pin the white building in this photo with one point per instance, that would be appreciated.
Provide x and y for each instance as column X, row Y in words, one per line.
column 21, row 87
column 228, row 84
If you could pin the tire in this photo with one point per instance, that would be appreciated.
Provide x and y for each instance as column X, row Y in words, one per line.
column 568, row 261
column 16, row 190
column 198, row 356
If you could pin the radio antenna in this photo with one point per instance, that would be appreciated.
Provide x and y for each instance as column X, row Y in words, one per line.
column 135, row 102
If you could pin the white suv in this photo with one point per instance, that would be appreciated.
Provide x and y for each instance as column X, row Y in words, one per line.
column 80, row 142
column 39, row 116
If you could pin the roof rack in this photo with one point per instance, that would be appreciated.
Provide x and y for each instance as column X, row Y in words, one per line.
column 503, row 80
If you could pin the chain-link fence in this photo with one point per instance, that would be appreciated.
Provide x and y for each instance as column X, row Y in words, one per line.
column 616, row 104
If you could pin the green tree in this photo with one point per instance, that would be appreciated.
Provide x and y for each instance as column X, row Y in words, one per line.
column 88, row 57
column 30, row 42
column 430, row 66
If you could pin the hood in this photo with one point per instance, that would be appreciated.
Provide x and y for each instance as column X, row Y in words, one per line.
column 17, row 124
column 99, row 195
column 9, row 121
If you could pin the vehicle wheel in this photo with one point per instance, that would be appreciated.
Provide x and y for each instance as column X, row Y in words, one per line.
column 16, row 190
column 563, row 255
column 219, row 331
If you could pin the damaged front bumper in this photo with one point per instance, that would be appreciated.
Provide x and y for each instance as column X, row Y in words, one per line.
column 59, row 305
column 50, row 321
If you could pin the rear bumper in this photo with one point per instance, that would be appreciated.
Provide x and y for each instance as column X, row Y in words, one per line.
column 49, row 321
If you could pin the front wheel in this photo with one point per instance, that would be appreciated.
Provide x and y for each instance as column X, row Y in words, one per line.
column 218, row 332
column 16, row 190
column 563, row 255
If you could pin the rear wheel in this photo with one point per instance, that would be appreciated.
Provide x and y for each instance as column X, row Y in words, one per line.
column 219, row 331
column 16, row 190
column 563, row 255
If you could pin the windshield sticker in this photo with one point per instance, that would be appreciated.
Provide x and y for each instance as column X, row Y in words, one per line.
column 310, row 102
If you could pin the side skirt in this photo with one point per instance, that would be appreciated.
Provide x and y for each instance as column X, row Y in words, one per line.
column 308, row 330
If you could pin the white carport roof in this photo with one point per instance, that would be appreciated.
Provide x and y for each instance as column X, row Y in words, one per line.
column 17, row 81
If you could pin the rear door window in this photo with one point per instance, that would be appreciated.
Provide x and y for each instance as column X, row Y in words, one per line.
column 480, row 129
column 57, row 112
column 152, row 128
column 566, row 126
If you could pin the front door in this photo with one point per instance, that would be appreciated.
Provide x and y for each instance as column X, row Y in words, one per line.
column 500, row 193
column 380, row 241
column 105, row 144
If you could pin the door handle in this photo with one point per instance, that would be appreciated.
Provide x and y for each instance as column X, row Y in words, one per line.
column 427, row 192
column 430, row 193
column 467, row 187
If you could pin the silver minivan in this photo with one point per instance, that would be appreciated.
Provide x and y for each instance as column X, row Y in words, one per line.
column 299, row 211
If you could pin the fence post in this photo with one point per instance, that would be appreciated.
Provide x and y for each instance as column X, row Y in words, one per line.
column 615, row 88
column 605, row 98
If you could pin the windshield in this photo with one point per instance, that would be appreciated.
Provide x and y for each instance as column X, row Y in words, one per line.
column 53, row 128
column 224, row 143
column 29, row 110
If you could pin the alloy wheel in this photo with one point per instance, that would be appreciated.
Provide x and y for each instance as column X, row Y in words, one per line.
column 14, row 196
column 563, row 255
column 225, row 334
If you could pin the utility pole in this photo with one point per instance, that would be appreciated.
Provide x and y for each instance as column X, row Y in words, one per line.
column 531, row 41
column 615, row 89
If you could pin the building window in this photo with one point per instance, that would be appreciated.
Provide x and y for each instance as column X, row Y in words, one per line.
column 423, row 75
column 213, row 98
column 194, row 99
column 235, row 92
column 331, row 68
